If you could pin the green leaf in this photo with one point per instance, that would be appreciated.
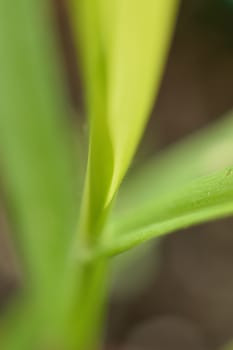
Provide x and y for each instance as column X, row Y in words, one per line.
column 86, row 21
column 142, row 34
column 206, row 198
column 201, row 153
column 123, row 46
column 35, row 155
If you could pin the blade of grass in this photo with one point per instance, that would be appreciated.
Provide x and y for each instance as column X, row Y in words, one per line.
column 136, row 60
column 199, row 154
column 35, row 156
column 87, row 26
column 206, row 198
column 123, row 64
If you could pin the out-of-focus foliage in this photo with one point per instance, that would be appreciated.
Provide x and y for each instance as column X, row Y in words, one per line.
column 35, row 155
column 36, row 165
column 163, row 182
column 123, row 45
column 199, row 154
column 203, row 199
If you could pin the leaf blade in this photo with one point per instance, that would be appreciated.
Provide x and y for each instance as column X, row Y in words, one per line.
column 143, row 33
column 112, row 60
column 34, row 144
column 199, row 154
column 206, row 198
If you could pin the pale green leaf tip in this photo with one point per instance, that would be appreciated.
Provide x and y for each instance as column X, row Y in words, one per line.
column 128, row 42
column 135, row 71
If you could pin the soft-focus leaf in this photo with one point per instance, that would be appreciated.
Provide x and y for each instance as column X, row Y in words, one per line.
column 206, row 198
column 123, row 47
column 199, row 154
column 35, row 156
column 142, row 35
column 87, row 15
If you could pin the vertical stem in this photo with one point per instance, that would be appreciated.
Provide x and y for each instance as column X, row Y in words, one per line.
column 88, row 312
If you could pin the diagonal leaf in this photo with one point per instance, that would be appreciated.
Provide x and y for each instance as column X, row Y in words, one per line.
column 199, row 154
column 206, row 198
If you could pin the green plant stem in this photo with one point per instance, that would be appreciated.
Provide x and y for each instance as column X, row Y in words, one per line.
column 89, row 310
column 88, row 289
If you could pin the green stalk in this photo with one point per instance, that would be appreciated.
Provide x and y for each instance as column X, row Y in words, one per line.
column 89, row 311
column 120, row 68
column 85, row 312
